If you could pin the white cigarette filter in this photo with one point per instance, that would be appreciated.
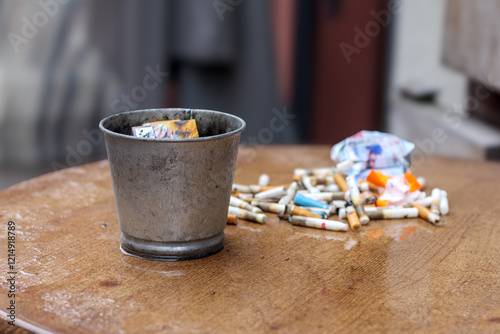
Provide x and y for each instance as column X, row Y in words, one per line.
column 245, row 195
column 391, row 213
column 425, row 201
column 342, row 213
column 301, row 171
column 241, row 188
column 331, row 187
column 290, row 193
column 307, row 182
column 322, row 171
column 264, row 180
column 343, row 166
column 244, row 205
column 421, row 181
column 328, row 197
column 323, row 224
column 247, row 215
column 338, row 204
column 272, row 193
column 320, row 187
column 436, row 200
column 364, row 187
column 444, row 208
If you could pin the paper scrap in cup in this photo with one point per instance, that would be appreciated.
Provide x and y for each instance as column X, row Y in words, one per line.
column 174, row 129
column 374, row 150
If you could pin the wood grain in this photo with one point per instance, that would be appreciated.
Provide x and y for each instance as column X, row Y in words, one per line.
column 392, row 276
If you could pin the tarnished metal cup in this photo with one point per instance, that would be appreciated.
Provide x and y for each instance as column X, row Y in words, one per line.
column 172, row 195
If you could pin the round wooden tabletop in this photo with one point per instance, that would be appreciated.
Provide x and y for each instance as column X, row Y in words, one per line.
column 392, row 276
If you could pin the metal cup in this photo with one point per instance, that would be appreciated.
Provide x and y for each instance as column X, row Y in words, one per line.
column 172, row 195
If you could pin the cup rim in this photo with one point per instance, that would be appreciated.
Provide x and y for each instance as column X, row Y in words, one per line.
column 160, row 140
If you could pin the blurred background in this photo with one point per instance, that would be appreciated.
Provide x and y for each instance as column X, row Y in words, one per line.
column 298, row 72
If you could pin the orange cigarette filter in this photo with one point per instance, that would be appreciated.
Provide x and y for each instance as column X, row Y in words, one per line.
column 340, row 181
column 232, row 219
column 352, row 218
column 297, row 210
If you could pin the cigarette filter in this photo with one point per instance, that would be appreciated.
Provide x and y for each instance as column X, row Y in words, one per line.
column 298, row 211
column 356, row 199
column 244, row 205
column 241, row 188
column 444, row 208
column 302, row 200
column 247, row 215
column 272, row 193
column 264, row 180
column 436, row 201
column 307, row 181
column 352, row 218
column 391, row 213
column 271, row 207
column 424, row 213
column 339, row 179
column 327, row 196
column 323, row 224
column 231, row 219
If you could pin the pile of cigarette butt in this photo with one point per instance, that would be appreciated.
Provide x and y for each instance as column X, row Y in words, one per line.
column 324, row 198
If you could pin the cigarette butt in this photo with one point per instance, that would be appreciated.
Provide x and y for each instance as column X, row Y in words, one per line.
column 343, row 166
column 302, row 200
column 296, row 177
column 436, row 200
column 332, row 187
column 232, row 219
column 248, row 215
column 254, row 201
column 271, row 207
column 324, row 179
column 322, row 224
column 356, row 200
column 373, row 187
column 297, row 210
column 244, row 196
column 422, row 181
column 352, row 218
column 241, row 188
column 425, row 201
column 364, row 186
column 301, row 171
column 364, row 219
column 244, row 205
column 322, row 171
column 309, row 183
column 340, row 181
column 391, row 213
column 272, row 193
column 424, row 213
column 327, row 196
column 264, row 180
column 444, row 207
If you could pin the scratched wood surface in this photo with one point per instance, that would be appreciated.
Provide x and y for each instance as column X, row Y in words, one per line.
column 393, row 276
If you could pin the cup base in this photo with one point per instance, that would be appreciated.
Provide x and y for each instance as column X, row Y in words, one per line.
column 172, row 251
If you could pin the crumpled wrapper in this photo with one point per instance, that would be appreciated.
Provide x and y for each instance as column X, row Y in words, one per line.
column 374, row 150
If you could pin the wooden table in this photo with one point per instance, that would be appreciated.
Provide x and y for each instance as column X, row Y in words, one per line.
column 393, row 276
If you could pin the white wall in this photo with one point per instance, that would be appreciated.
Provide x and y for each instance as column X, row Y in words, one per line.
column 416, row 54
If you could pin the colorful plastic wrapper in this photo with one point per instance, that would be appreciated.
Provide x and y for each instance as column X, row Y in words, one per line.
column 398, row 190
column 174, row 129
column 374, row 150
